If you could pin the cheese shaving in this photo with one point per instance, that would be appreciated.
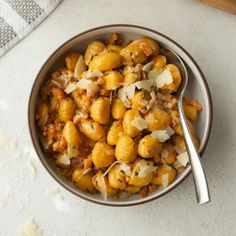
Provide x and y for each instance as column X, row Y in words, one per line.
column 145, row 84
column 114, row 163
column 164, row 78
column 167, row 167
column 94, row 73
column 145, row 169
column 64, row 159
column 163, row 135
column 129, row 90
column 70, row 88
column 153, row 74
column 170, row 131
column 147, row 67
column 152, row 101
column 177, row 164
column 29, row 228
column 178, row 149
column 104, row 188
column 139, row 123
column 83, row 83
column 125, row 168
column 86, row 171
column 92, row 89
column 80, row 67
column 123, row 97
column 183, row 158
column 165, row 180
column 32, row 169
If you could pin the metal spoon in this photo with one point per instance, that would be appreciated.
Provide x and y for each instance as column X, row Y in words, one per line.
column 201, row 187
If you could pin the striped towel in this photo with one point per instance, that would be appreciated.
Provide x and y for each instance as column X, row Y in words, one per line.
column 19, row 17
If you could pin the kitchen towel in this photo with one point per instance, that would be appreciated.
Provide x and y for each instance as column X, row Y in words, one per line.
column 19, row 17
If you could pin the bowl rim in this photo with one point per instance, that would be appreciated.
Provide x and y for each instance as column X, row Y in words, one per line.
column 141, row 200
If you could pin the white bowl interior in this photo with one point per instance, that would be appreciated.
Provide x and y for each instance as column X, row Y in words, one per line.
column 196, row 89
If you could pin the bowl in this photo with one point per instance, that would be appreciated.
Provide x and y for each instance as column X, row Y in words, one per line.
column 197, row 88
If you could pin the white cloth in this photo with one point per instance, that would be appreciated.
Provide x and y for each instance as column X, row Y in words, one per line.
column 19, row 17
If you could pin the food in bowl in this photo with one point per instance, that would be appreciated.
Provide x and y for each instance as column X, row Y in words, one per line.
column 109, row 118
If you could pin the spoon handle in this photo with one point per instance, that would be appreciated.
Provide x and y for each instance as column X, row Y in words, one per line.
column 201, row 187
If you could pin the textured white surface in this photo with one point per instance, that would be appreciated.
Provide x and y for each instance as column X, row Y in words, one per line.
column 210, row 36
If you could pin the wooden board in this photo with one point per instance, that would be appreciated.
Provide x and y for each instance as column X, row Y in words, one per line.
column 226, row 5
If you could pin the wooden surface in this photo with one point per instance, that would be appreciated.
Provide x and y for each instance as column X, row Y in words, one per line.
column 226, row 5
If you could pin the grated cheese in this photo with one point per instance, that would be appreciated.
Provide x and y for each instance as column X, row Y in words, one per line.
column 139, row 123
column 29, row 228
column 183, row 158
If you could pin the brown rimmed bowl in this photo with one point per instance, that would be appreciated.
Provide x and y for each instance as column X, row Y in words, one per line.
column 197, row 88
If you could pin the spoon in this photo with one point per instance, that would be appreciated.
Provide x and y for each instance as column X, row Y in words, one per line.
column 201, row 186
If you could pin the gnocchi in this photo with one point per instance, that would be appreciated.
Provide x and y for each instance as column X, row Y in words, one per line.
column 107, row 126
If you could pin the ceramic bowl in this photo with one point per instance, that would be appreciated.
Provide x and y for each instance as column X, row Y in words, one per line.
column 197, row 88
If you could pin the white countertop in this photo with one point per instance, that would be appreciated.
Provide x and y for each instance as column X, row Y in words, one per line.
column 210, row 36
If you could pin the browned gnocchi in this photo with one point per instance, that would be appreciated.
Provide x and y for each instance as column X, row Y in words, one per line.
column 109, row 120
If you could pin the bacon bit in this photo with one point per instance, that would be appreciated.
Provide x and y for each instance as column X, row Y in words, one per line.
column 174, row 118
column 87, row 163
column 76, row 162
column 62, row 143
column 146, row 48
column 113, row 38
column 104, row 92
column 143, row 192
column 152, row 188
column 58, row 93
column 157, row 159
